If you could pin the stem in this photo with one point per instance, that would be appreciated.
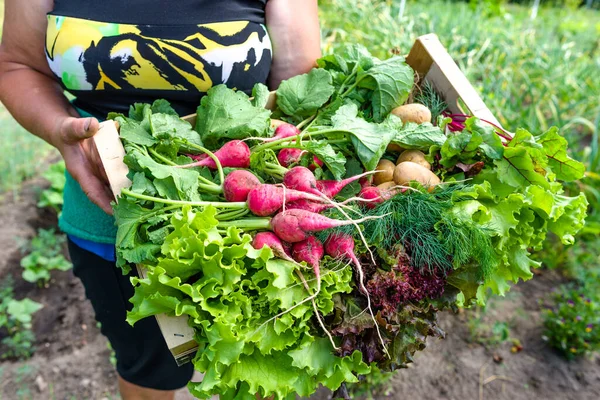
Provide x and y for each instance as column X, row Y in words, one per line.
column 306, row 121
column 231, row 215
column 252, row 224
column 161, row 157
column 277, row 143
column 209, row 188
column 352, row 75
column 355, row 84
column 217, row 204
column 210, row 154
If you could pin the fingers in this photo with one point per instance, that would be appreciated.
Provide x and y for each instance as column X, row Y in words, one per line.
column 76, row 129
column 96, row 190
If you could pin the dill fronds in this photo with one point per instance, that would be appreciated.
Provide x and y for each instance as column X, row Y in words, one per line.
column 430, row 99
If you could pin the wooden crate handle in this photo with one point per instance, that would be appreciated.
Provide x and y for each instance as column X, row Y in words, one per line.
column 111, row 153
column 432, row 62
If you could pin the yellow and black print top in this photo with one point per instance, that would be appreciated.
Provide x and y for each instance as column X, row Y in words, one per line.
column 110, row 54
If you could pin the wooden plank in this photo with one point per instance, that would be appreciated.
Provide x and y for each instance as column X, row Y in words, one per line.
column 432, row 62
column 111, row 153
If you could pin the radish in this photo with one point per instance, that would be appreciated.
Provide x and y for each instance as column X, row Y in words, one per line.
column 233, row 154
column 282, row 130
column 308, row 205
column 342, row 246
column 301, row 178
column 311, row 251
column 331, row 188
column 238, row 184
column 297, row 225
column 290, row 156
column 373, row 194
column 265, row 200
column 271, row 240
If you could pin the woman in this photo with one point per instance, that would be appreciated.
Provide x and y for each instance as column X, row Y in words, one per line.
column 110, row 54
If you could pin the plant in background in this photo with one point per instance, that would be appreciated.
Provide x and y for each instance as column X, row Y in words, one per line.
column 53, row 196
column 45, row 255
column 573, row 322
column 376, row 385
column 15, row 322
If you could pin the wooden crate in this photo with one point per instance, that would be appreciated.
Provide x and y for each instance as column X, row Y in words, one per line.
column 428, row 58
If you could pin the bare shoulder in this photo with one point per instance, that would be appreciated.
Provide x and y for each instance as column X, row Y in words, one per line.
column 24, row 33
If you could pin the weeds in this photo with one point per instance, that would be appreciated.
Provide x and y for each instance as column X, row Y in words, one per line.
column 45, row 255
column 15, row 321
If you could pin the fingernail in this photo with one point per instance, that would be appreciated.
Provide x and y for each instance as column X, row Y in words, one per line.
column 88, row 122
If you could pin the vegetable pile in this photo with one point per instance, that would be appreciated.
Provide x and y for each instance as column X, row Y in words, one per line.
column 315, row 242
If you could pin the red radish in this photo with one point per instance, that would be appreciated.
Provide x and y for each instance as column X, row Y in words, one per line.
column 332, row 188
column 301, row 178
column 310, row 251
column 284, row 131
column 364, row 182
column 340, row 245
column 290, row 156
column 372, row 193
column 266, row 200
column 238, row 184
column 233, row 154
column 271, row 240
column 308, row 205
column 297, row 225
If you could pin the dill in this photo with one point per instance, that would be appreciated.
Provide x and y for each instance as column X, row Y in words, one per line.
column 432, row 100
column 433, row 238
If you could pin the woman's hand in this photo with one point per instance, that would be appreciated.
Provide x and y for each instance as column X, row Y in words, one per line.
column 73, row 139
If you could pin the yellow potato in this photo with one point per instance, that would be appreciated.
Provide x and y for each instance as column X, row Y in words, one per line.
column 387, row 172
column 276, row 122
column 409, row 171
column 386, row 185
column 393, row 147
column 414, row 112
column 415, row 156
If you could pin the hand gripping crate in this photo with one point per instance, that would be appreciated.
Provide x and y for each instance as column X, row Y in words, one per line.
column 431, row 63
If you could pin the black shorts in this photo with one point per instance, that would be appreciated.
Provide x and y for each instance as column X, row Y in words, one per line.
column 143, row 357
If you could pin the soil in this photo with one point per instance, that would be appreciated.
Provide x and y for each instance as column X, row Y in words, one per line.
column 72, row 360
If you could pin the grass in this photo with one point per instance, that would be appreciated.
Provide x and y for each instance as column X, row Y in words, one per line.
column 530, row 74
column 22, row 154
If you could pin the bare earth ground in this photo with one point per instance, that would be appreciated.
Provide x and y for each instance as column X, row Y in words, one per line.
column 73, row 360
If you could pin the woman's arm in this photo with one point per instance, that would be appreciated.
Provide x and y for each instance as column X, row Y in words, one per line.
column 31, row 94
column 293, row 26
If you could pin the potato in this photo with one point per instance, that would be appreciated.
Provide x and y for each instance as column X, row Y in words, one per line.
column 409, row 171
column 393, row 147
column 386, row 174
column 414, row 112
column 386, row 185
column 415, row 156
column 276, row 122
